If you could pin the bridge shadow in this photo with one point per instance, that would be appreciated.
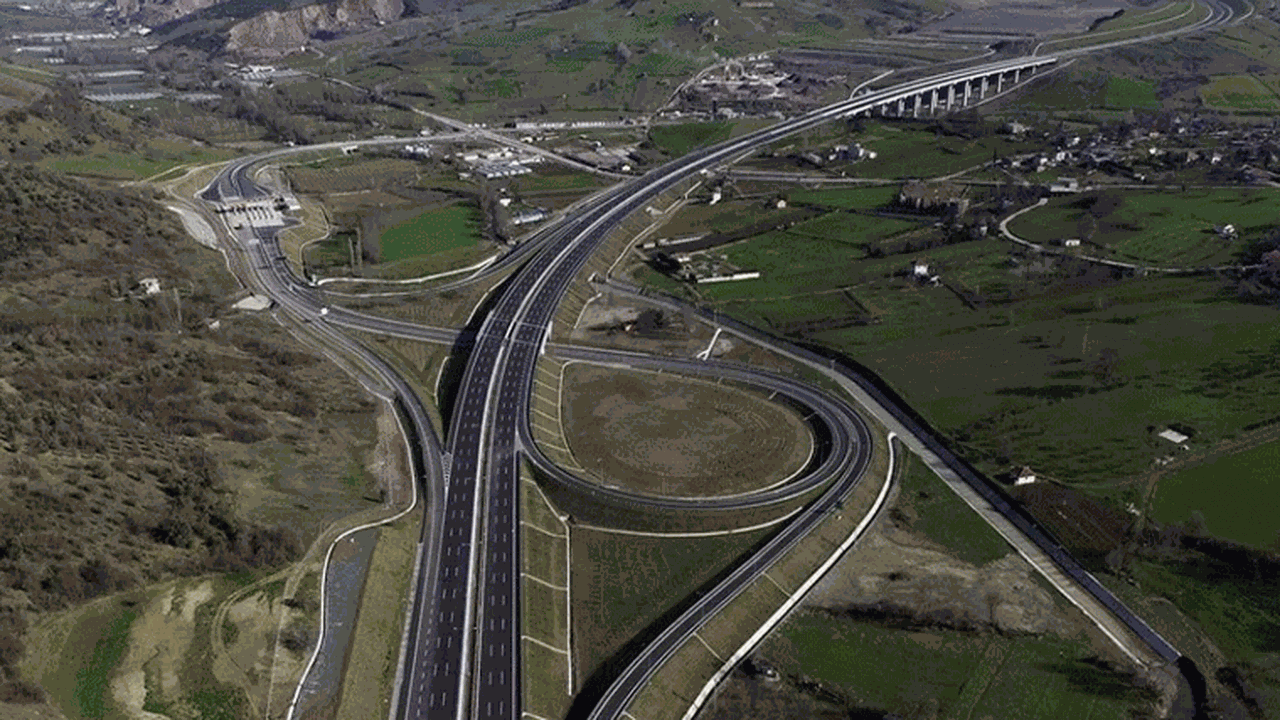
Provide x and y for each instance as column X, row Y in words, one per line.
column 455, row 365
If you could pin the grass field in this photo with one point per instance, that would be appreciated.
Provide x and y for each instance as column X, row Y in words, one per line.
column 663, row 435
column 724, row 217
column 1131, row 19
column 1228, row 491
column 375, row 644
column 350, row 174
column 1021, row 377
column 434, row 231
column 129, row 165
column 1156, row 21
column 94, row 675
column 621, row 584
column 935, row 673
column 1239, row 92
column 551, row 179
column 941, row 515
column 438, row 262
column 331, row 252
column 913, row 150
column 1015, row 378
column 1095, row 90
column 679, row 140
column 1240, row 613
column 859, row 198
column 1164, row 229
column 806, row 258
column 1125, row 93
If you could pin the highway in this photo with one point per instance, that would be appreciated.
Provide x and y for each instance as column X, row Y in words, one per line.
column 898, row 415
column 474, row 610
column 623, row 690
column 463, row 659
column 494, row 396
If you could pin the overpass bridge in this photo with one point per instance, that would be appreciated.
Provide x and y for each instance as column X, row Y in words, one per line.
column 954, row 90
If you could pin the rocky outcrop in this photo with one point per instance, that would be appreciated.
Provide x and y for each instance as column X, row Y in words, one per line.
column 280, row 33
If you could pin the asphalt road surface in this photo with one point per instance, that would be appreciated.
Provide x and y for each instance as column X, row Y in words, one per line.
column 464, row 656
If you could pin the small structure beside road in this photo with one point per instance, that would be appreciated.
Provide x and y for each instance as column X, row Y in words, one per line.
column 1024, row 476
column 1175, row 437
column 253, row 303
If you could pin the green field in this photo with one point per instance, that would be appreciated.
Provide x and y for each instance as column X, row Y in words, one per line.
column 1091, row 90
column 1016, row 377
column 941, row 515
column 919, row 152
column 1131, row 19
column 860, row 198
column 679, row 140
column 1239, row 92
column 434, row 231
column 1240, row 613
column 1227, row 491
column 331, row 252
column 130, row 165
column 806, row 258
column 949, row 674
column 798, row 261
column 553, row 179
column 94, row 675
column 728, row 217
column 1156, row 21
column 848, row 227
column 623, row 583
column 1125, row 93
column 1161, row 228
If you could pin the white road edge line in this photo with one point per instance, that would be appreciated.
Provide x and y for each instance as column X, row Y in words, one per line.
column 324, row 569
column 536, row 641
column 407, row 281
column 782, row 612
column 711, row 533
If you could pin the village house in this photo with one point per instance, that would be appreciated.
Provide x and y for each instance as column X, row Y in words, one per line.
column 940, row 197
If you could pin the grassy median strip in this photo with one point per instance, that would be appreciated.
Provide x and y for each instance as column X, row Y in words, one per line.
column 548, row 685
column 545, row 413
column 625, row 585
column 375, row 646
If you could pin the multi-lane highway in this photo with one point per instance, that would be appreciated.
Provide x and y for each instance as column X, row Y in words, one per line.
column 479, row 594
column 464, row 654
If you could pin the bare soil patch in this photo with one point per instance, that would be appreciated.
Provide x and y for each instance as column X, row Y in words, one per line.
column 893, row 573
column 1079, row 520
column 668, row 435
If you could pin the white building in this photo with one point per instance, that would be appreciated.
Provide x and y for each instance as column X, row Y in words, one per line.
column 529, row 216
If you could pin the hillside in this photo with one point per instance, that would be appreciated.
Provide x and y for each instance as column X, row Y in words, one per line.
column 146, row 436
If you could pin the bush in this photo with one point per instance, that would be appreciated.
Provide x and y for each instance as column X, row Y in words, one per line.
column 21, row 692
column 296, row 638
